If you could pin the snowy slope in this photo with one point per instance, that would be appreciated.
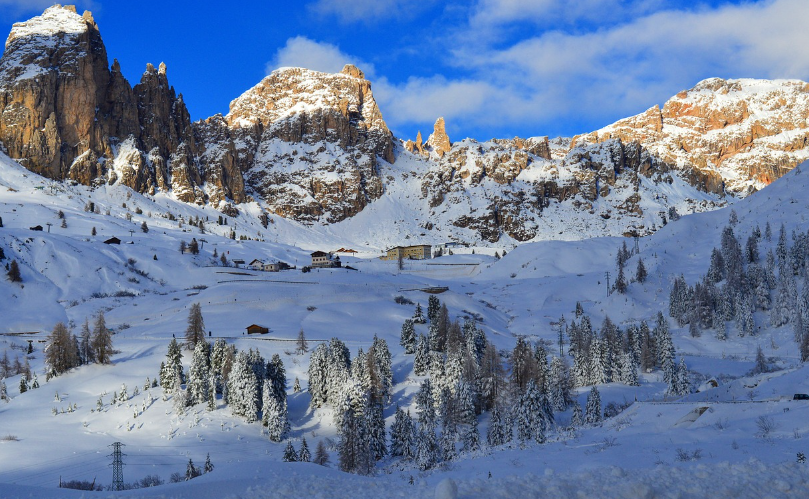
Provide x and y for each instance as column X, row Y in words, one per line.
column 68, row 275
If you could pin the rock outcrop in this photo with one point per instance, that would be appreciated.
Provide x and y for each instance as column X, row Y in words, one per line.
column 736, row 135
column 438, row 141
column 67, row 115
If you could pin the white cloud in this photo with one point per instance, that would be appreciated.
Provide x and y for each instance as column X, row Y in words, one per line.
column 369, row 10
column 319, row 56
column 604, row 73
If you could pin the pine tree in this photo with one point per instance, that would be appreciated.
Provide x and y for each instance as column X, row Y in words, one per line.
column 317, row 376
column 620, row 281
column 401, row 435
column 23, row 384
column 421, row 360
column 243, row 389
column 14, row 272
column 418, row 315
column 196, row 326
column 578, row 418
column 433, row 308
column 102, row 341
column 375, row 423
column 592, row 412
column 296, row 386
column 3, row 389
column 491, row 377
column 144, row 228
column 683, row 386
column 354, row 449
column 425, row 404
column 193, row 246
column 302, row 346
column 191, row 471
column 86, row 353
column 446, row 444
column 559, row 384
column 407, row 338
column 208, row 465
column 471, row 438
column 640, row 273
column 304, row 455
column 427, row 450
column 290, row 456
column 199, row 374
column 496, row 433
column 321, row 454
column 629, row 372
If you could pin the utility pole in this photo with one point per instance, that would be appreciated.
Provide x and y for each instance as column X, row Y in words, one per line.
column 117, row 466
column 49, row 227
column 607, row 274
column 130, row 233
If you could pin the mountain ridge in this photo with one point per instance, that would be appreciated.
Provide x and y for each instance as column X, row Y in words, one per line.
column 313, row 147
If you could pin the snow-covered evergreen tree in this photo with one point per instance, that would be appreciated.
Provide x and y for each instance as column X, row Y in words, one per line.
column 492, row 377
column 243, row 389
column 354, row 449
column 199, row 374
column 578, row 418
column 427, row 450
column 629, row 372
column 274, row 414
column 471, row 437
column 407, row 338
column 433, row 307
column 592, row 412
column 683, row 386
column 290, row 456
column 496, row 433
column 418, row 315
column 304, row 455
column 640, row 271
column 375, row 423
column 208, row 465
column 421, row 361
column 559, row 384
column 425, row 404
column 401, row 434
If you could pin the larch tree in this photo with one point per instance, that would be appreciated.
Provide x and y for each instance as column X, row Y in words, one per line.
column 61, row 353
column 102, row 341
column 196, row 326
column 14, row 272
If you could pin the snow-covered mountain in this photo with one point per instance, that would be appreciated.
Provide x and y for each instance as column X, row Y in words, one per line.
column 314, row 147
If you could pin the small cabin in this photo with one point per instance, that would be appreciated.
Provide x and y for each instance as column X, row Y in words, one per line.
column 237, row 262
column 272, row 267
column 36, row 227
column 256, row 264
column 112, row 240
column 256, row 329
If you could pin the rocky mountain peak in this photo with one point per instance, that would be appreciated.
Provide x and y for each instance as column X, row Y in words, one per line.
column 742, row 133
column 439, row 140
column 352, row 70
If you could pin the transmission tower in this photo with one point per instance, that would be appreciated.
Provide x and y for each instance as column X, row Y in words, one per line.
column 607, row 275
column 117, row 466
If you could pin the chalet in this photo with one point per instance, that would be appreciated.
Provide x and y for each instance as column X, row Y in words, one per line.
column 416, row 252
column 237, row 262
column 256, row 329
column 112, row 240
column 271, row 267
column 36, row 227
column 256, row 265
column 322, row 259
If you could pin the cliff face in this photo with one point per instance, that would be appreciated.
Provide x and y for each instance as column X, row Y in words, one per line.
column 739, row 135
column 67, row 115
column 310, row 142
column 314, row 146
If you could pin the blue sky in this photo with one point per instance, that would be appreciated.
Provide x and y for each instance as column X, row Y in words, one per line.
column 492, row 68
